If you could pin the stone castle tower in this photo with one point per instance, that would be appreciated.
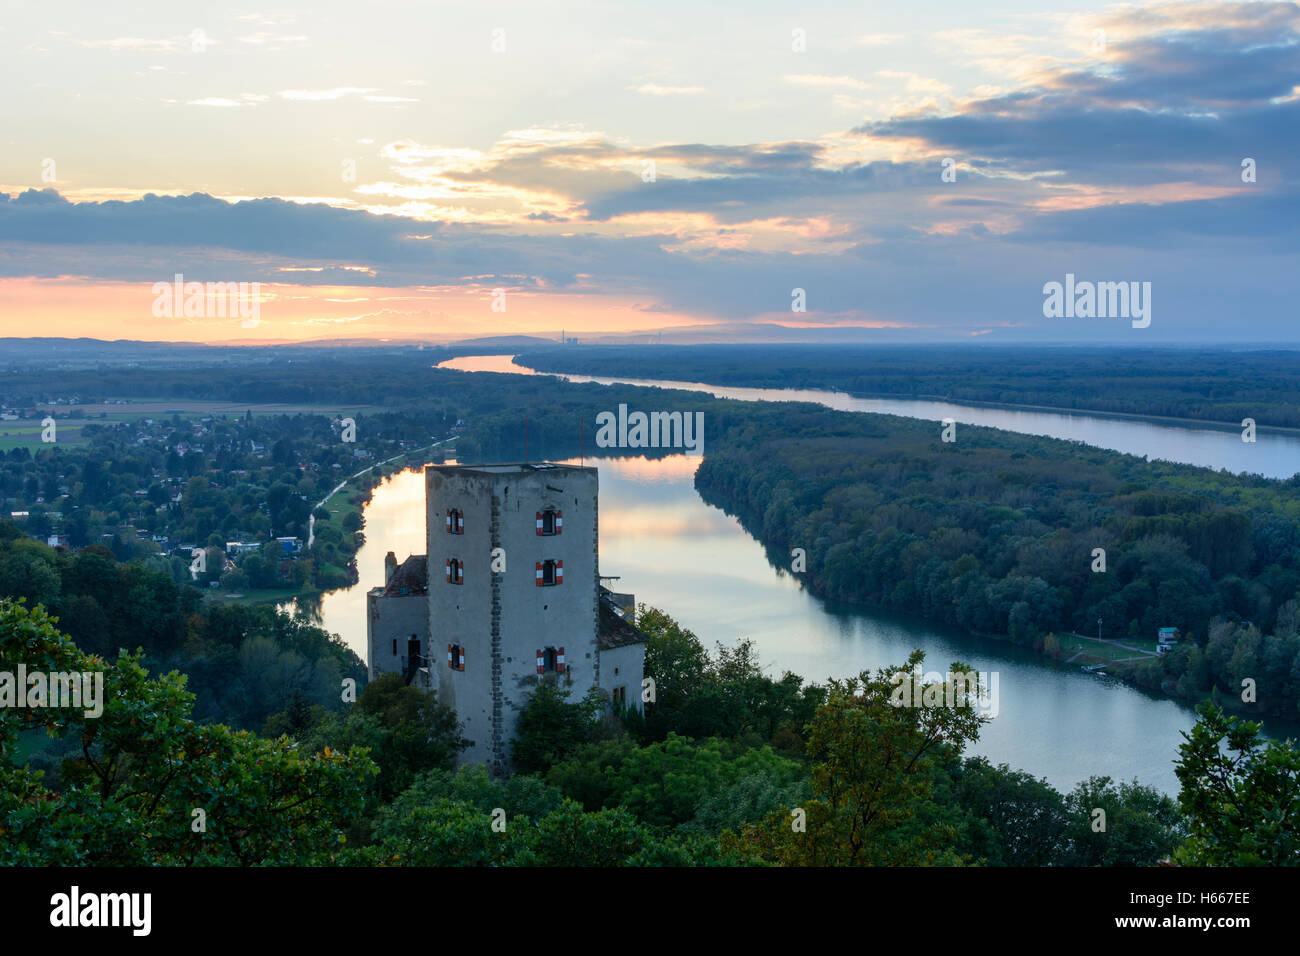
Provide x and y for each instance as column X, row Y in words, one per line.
column 507, row 595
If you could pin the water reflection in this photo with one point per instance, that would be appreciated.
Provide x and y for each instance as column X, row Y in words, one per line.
column 690, row 559
column 1272, row 454
column 678, row 553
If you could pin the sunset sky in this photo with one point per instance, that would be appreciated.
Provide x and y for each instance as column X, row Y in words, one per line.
column 380, row 168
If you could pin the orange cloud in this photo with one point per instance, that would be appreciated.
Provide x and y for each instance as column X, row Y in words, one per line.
column 72, row 307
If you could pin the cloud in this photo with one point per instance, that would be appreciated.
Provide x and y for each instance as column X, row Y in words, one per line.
column 1122, row 163
column 654, row 89
column 833, row 82
column 273, row 42
column 151, row 44
column 1183, row 93
column 877, row 39
column 245, row 99
column 337, row 93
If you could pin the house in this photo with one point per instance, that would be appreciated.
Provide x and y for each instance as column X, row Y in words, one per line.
column 507, row 596
column 1166, row 638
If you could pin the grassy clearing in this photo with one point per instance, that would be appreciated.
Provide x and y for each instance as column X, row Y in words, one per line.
column 27, row 432
column 251, row 596
column 1093, row 651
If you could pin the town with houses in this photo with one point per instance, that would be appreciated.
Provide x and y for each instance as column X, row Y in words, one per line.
column 227, row 497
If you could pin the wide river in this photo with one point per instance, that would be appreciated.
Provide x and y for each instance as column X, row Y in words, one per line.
column 678, row 553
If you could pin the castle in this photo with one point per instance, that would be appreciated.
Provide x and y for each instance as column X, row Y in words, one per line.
column 507, row 595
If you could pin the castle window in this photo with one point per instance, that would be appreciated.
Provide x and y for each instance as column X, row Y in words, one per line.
column 455, row 521
column 550, row 521
column 455, row 571
column 456, row 657
column 550, row 660
column 620, row 696
column 550, row 573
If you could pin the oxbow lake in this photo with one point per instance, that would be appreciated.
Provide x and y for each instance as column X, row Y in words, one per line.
column 677, row 553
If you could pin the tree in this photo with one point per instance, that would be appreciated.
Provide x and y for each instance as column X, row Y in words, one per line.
column 145, row 767
column 676, row 661
column 873, row 775
column 550, row 728
column 664, row 783
column 1017, row 820
column 1242, row 805
column 28, row 570
column 1142, row 825
column 405, row 728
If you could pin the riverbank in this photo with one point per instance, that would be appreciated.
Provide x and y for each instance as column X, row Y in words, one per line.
column 1216, row 388
column 360, row 489
column 1166, row 420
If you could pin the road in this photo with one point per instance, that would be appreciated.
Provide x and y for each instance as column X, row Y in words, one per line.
column 311, row 522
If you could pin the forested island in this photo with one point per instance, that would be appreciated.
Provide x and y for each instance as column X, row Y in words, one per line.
column 996, row 533
column 1207, row 385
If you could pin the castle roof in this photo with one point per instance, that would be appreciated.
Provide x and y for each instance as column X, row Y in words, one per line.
column 615, row 630
column 509, row 468
column 411, row 577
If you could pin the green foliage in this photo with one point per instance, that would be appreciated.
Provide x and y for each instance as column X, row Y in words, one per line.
column 1241, row 796
column 994, row 535
column 145, row 766
column 550, row 728
column 587, row 774
column 665, row 784
column 468, row 819
column 873, row 779
column 726, row 695
column 405, row 729
column 1014, row 819
column 242, row 662
column 1142, row 825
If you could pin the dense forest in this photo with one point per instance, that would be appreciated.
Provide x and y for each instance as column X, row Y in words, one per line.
column 997, row 533
column 242, row 662
column 727, row 767
column 1208, row 385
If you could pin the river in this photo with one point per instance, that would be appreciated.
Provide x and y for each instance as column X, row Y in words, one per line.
column 693, row 561
column 1273, row 454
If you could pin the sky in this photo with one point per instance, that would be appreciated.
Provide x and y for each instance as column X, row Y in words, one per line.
column 746, row 170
